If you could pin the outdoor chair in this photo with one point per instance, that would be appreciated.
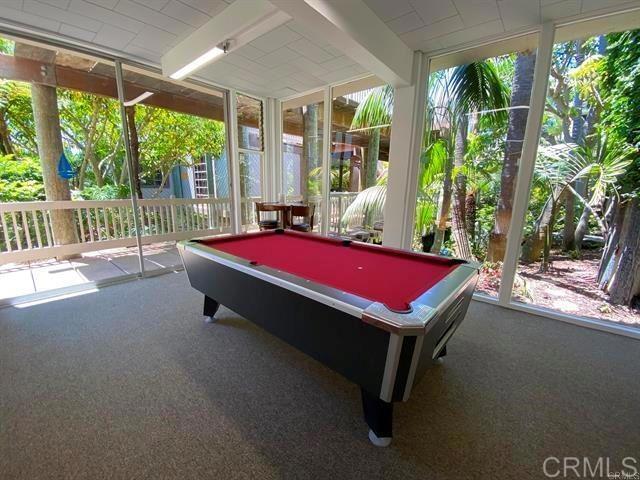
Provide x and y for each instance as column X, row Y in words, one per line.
column 302, row 217
column 267, row 223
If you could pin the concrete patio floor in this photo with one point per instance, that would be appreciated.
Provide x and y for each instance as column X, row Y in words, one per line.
column 19, row 279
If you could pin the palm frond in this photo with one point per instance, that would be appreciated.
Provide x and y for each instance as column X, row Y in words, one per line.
column 477, row 86
column 376, row 109
column 367, row 208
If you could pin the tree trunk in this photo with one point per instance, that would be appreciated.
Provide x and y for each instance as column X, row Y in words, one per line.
column 520, row 96
column 569, row 229
column 6, row 145
column 309, row 147
column 445, row 206
column 134, row 143
column 470, row 211
column 616, row 220
column 581, row 229
column 577, row 137
column 625, row 285
column 354, row 173
column 458, row 224
column 548, row 239
column 371, row 162
column 47, row 125
column 534, row 245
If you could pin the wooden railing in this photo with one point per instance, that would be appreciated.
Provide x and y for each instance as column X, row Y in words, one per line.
column 338, row 203
column 27, row 228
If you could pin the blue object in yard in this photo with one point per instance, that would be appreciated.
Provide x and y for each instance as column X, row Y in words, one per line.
column 65, row 170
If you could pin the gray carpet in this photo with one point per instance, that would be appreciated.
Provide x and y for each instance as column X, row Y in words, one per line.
column 130, row 383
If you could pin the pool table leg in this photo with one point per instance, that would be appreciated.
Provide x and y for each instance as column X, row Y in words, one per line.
column 441, row 355
column 210, row 309
column 379, row 416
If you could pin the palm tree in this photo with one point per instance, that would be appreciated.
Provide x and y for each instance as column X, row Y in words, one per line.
column 520, row 97
column 559, row 167
column 453, row 95
column 374, row 113
column 473, row 87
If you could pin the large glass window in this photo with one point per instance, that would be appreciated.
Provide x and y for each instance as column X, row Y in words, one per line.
column 581, row 253
column 302, row 131
column 65, row 209
column 475, row 124
column 360, row 132
column 251, row 156
column 181, row 180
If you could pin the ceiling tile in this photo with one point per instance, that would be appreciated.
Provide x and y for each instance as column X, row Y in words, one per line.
column 519, row 13
column 565, row 8
column 307, row 66
column 475, row 12
column 151, row 17
column 143, row 52
column 431, row 11
column 337, row 63
column 284, row 70
column 590, row 5
column 307, row 48
column 29, row 19
column 473, row 33
column 105, row 15
column 152, row 37
column 103, row 3
column 389, row 9
column 275, row 39
column 56, row 3
column 60, row 15
column 345, row 73
column 155, row 4
column 332, row 50
column 278, row 57
column 113, row 37
column 249, row 51
column 406, row 23
column 210, row 7
column 186, row 14
column 415, row 38
column 75, row 32
column 304, row 32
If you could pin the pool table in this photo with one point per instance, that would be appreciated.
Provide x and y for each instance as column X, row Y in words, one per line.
column 378, row 316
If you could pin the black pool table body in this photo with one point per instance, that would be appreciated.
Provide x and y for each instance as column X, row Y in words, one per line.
column 383, row 351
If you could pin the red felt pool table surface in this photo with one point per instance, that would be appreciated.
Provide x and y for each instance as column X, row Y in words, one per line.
column 388, row 276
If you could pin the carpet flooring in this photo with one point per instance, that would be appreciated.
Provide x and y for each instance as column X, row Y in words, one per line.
column 128, row 382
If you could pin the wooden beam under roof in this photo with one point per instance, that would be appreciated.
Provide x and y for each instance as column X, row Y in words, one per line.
column 56, row 75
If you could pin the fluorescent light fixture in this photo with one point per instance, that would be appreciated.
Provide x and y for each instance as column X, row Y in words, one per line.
column 138, row 99
column 199, row 62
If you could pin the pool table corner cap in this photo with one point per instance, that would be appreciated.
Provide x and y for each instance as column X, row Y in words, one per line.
column 412, row 323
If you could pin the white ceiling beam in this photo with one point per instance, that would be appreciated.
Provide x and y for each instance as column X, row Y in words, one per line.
column 240, row 23
column 351, row 27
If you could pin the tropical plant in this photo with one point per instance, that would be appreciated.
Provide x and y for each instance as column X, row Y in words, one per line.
column 558, row 168
column 366, row 209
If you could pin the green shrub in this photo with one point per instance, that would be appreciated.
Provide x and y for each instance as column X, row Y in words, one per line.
column 20, row 179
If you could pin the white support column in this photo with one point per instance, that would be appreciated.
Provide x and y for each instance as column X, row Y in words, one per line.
column 272, row 173
column 326, row 160
column 527, row 161
column 234, row 161
column 404, row 153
